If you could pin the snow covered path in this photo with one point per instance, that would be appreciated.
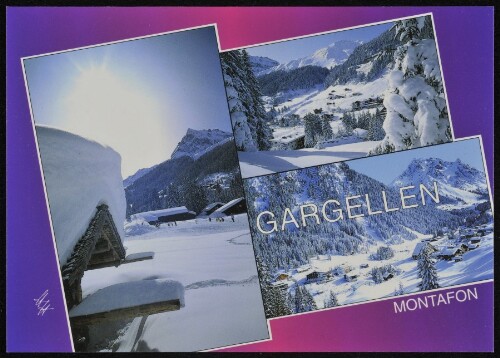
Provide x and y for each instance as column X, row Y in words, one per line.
column 268, row 162
column 215, row 263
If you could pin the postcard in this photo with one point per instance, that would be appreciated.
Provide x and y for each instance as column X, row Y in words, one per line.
column 372, row 228
column 298, row 186
column 145, row 194
column 335, row 96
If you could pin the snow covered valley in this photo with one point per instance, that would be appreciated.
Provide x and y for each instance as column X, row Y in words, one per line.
column 215, row 263
column 475, row 265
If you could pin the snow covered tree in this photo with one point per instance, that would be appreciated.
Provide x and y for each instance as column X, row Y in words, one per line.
column 263, row 133
column 304, row 302
column 349, row 123
column 427, row 270
column 417, row 114
column 274, row 299
column 312, row 129
column 400, row 290
column 248, row 116
column 326, row 129
column 332, row 300
column 375, row 130
column 237, row 96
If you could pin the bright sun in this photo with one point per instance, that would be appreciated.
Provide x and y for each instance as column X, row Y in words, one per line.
column 105, row 107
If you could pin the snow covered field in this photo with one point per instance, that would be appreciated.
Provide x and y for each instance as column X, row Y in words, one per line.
column 267, row 162
column 215, row 263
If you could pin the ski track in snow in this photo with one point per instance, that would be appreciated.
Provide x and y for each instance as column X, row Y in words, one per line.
column 215, row 262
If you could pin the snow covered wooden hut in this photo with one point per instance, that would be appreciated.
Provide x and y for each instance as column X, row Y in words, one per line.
column 234, row 207
column 180, row 213
column 87, row 206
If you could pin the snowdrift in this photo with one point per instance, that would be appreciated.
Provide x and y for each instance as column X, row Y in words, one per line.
column 80, row 174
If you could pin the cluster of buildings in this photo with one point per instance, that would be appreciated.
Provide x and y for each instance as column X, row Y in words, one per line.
column 212, row 211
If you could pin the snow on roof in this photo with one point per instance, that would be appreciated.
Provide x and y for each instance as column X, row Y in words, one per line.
column 220, row 211
column 80, row 174
column 211, row 206
column 155, row 214
column 418, row 248
column 129, row 294
column 303, row 268
column 450, row 251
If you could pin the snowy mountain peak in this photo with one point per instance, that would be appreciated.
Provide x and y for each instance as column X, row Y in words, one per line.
column 333, row 55
column 260, row 64
column 458, row 181
column 196, row 142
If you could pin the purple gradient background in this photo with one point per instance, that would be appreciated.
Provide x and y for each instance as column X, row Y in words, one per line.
column 465, row 38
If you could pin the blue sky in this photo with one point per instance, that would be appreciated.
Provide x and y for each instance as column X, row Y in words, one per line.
column 138, row 96
column 286, row 51
column 385, row 168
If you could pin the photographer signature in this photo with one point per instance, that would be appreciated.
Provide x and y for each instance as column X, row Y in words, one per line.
column 42, row 303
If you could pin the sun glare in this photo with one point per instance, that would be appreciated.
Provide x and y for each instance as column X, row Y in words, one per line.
column 109, row 109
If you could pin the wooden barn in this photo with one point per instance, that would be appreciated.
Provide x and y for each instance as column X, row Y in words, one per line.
column 234, row 207
column 154, row 217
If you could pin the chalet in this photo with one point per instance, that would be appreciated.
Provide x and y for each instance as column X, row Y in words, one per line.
column 475, row 240
column 364, row 266
column 449, row 253
column 388, row 275
column 154, row 217
column 317, row 276
column 210, row 208
column 303, row 268
column 472, row 246
column 467, row 233
column 234, row 207
column 282, row 276
column 280, row 285
column 351, row 276
column 463, row 247
column 418, row 249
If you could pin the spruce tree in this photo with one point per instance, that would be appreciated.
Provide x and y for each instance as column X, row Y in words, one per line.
column 427, row 270
column 238, row 99
column 326, row 129
column 416, row 108
column 332, row 300
column 262, row 132
column 312, row 130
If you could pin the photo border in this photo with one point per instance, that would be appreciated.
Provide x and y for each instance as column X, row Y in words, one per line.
column 22, row 59
column 485, row 170
column 353, row 28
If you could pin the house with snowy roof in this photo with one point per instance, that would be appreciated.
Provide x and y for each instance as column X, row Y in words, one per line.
column 154, row 217
column 87, row 204
column 449, row 253
column 317, row 275
column 210, row 208
column 234, row 207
